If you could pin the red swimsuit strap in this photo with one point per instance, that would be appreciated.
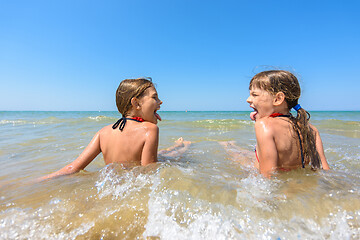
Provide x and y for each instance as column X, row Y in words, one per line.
column 139, row 119
column 276, row 115
column 122, row 121
column 256, row 155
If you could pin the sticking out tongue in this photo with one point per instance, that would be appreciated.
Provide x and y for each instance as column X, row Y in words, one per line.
column 158, row 116
column 252, row 115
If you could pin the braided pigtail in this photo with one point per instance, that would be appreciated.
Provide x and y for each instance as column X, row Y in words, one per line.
column 275, row 81
column 308, row 141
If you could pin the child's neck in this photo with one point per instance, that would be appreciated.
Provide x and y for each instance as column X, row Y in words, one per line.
column 132, row 114
column 284, row 110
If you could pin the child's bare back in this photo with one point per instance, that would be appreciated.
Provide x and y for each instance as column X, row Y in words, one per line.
column 133, row 138
column 286, row 141
column 127, row 145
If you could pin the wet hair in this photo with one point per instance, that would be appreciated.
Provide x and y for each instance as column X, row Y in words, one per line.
column 275, row 81
column 128, row 89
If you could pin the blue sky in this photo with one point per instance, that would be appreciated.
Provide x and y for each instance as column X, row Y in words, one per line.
column 71, row 55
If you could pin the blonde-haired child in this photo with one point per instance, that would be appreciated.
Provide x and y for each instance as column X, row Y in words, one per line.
column 134, row 137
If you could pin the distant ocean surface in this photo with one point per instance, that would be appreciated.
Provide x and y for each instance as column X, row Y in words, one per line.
column 200, row 195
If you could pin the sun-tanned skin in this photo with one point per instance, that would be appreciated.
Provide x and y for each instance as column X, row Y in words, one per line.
column 177, row 149
column 278, row 146
column 277, row 142
column 136, row 143
column 239, row 154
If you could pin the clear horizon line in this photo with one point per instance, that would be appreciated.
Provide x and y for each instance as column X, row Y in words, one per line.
column 165, row 111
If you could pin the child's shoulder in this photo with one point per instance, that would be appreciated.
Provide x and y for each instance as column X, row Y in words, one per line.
column 314, row 129
column 265, row 122
column 150, row 130
column 105, row 130
column 150, row 126
column 268, row 125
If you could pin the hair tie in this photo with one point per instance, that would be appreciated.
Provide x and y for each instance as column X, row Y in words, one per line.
column 297, row 107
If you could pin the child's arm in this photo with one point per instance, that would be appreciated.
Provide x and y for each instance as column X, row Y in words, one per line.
column 177, row 149
column 149, row 152
column 266, row 148
column 239, row 154
column 320, row 148
column 90, row 152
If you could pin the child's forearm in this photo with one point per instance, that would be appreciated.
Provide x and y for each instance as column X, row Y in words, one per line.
column 90, row 152
column 67, row 170
column 177, row 149
column 169, row 149
column 239, row 154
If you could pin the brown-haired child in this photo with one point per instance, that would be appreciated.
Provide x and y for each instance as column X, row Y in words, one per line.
column 284, row 142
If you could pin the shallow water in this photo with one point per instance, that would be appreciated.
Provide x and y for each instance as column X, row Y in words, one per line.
column 200, row 195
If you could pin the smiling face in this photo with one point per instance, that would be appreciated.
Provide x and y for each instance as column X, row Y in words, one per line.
column 262, row 102
column 148, row 104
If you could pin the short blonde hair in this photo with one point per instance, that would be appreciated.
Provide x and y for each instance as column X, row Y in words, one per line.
column 128, row 89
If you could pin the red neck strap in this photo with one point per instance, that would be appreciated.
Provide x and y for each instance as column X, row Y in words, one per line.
column 279, row 115
column 139, row 119
column 275, row 115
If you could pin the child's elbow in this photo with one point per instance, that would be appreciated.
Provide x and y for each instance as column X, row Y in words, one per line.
column 70, row 169
column 266, row 174
column 326, row 168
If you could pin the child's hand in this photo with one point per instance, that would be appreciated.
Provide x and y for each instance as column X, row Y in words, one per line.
column 181, row 142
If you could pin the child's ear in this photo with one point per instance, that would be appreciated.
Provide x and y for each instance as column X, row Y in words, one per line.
column 135, row 103
column 279, row 98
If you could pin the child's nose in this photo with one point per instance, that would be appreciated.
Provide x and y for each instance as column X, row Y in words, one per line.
column 249, row 99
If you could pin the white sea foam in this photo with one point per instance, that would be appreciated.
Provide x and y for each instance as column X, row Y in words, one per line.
column 17, row 223
column 99, row 118
column 111, row 183
column 200, row 195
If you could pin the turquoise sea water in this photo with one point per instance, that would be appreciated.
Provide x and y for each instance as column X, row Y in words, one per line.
column 203, row 194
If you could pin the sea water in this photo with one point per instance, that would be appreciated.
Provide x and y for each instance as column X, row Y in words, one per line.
column 203, row 194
